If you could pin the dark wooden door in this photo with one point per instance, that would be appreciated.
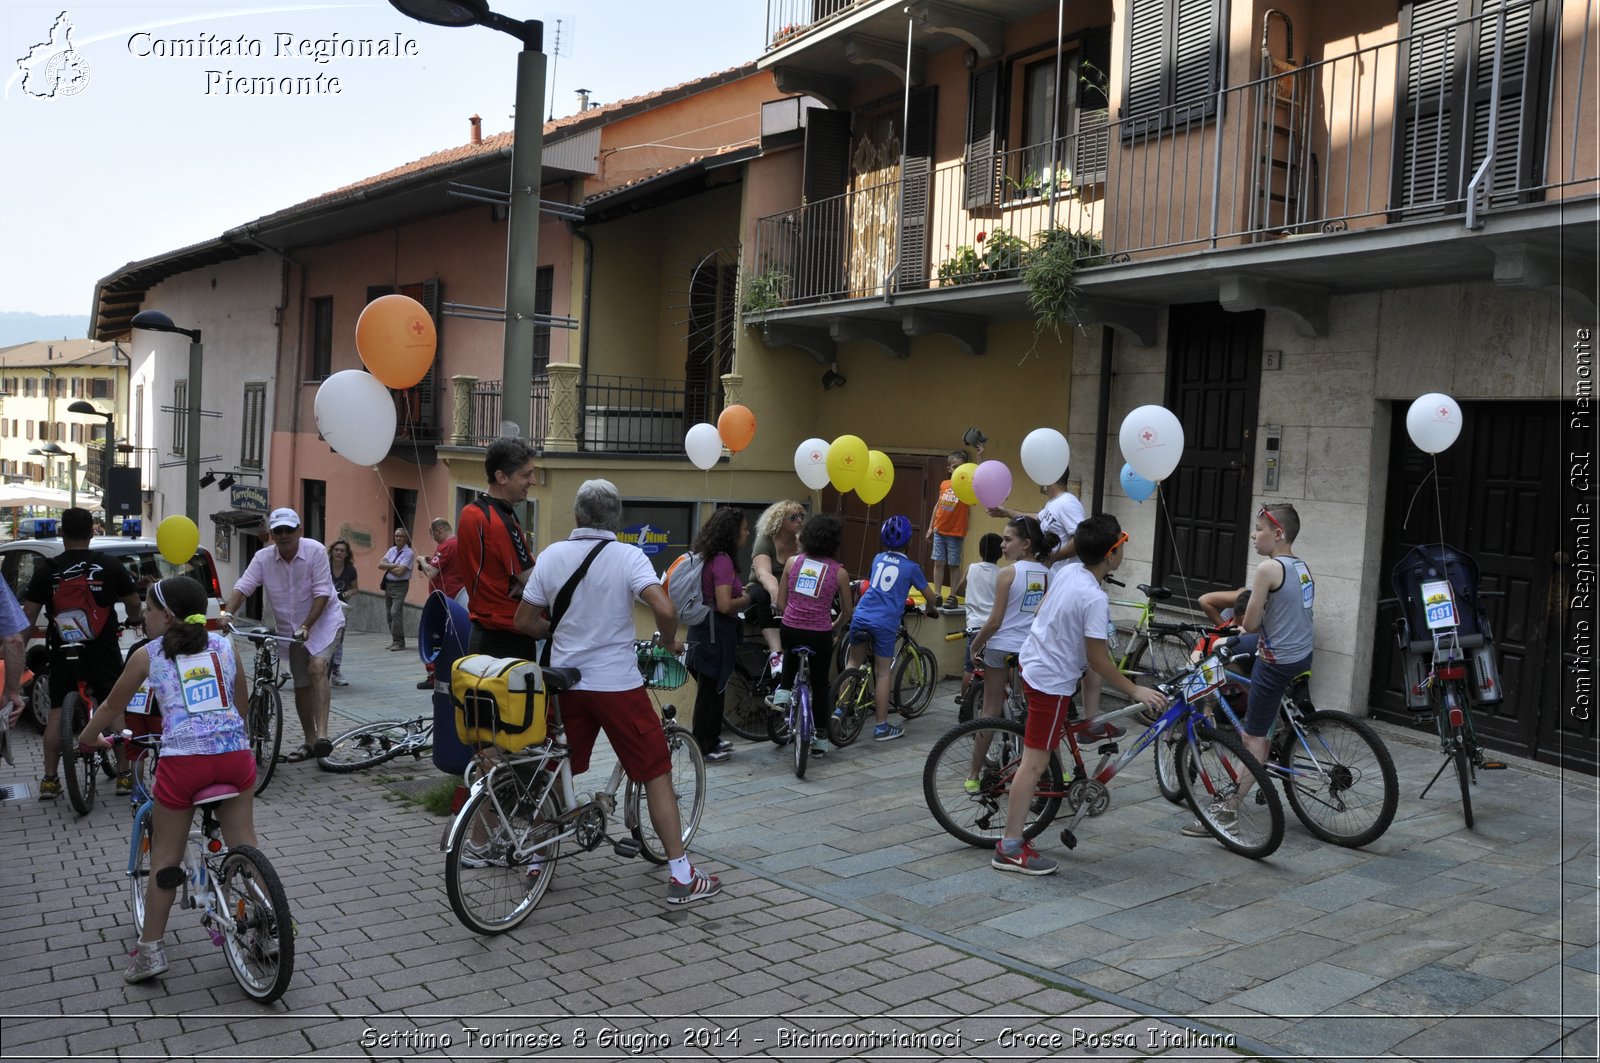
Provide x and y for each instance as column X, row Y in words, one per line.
column 915, row 489
column 1213, row 386
column 1497, row 496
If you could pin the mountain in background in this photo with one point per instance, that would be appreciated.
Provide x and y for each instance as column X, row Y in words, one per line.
column 21, row 327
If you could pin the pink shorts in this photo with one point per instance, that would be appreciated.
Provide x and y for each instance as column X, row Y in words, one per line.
column 178, row 779
column 630, row 723
column 1047, row 718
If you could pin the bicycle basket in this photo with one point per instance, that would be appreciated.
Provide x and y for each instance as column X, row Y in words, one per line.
column 661, row 669
column 498, row 701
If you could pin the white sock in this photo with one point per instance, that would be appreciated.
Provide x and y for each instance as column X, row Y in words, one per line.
column 681, row 870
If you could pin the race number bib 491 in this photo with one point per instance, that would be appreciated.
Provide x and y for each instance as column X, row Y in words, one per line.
column 202, row 683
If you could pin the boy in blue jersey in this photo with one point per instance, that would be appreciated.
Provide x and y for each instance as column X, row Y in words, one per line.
column 877, row 616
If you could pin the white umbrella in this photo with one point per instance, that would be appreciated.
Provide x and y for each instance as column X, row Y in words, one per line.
column 16, row 495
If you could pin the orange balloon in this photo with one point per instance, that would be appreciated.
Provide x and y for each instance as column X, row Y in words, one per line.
column 737, row 427
column 396, row 340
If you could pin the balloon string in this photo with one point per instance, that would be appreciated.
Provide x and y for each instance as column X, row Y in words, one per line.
column 1172, row 537
column 1418, row 492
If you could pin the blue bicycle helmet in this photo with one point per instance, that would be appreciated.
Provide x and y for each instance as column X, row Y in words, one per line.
column 895, row 533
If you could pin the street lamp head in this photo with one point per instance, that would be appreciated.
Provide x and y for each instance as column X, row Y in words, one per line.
column 226, row 482
column 444, row 12
column 52, row 448
column 84, row 406
column 156, row 321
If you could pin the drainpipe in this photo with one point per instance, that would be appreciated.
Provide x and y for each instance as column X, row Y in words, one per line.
column 1055, row 117
column 891, row 275
column 1102, row 420
column 583, row 326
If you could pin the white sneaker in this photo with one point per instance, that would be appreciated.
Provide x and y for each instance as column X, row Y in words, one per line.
column 339, row 680
column 779, row 702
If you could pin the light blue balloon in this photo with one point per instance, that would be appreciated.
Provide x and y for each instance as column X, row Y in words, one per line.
column 1135, row 486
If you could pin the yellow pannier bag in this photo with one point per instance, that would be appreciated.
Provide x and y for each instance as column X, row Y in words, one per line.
column 498, row 701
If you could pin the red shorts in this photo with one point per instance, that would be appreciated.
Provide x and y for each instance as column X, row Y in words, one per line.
column 1047, row 718
column 178, row 779
column 630, row 723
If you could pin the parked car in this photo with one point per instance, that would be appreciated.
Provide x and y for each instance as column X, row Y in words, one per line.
column 20, row 558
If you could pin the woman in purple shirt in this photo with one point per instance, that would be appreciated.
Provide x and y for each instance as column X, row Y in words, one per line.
column 805, row 599
column 712, row 642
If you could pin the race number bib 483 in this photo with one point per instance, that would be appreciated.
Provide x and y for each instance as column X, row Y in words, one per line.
column 201, row 679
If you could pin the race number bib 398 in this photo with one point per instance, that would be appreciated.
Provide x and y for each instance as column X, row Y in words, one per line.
column 201, row 679
column 809, row 579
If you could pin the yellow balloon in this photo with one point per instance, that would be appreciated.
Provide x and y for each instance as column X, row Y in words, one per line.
column 177, row 538
column 961, row 483
column 847, row 462
column 874, row 486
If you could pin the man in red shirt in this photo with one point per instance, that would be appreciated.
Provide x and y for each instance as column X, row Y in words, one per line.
column 492, row 553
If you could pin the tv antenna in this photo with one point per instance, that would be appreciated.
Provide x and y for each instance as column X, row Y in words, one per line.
column 560, row 45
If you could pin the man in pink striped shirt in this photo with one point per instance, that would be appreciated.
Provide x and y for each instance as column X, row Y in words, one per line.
column 299, row 586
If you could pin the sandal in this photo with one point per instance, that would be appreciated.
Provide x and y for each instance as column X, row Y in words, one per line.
column 303, row 753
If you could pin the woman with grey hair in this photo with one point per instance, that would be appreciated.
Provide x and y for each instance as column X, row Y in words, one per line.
column 595, row 636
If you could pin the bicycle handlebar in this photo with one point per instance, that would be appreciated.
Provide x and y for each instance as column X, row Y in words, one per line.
column 261, row 634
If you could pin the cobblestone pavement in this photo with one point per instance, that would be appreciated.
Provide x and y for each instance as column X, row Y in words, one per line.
column 849, row 925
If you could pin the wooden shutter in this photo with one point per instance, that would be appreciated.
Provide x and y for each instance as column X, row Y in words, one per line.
column 819, row 265
column 1517, row 131
column 1195, row 60
column 1429, row 62
column 1147, row 56
column 1174, row 63
column 252, row 446
column 983, row 169
column 916, row 178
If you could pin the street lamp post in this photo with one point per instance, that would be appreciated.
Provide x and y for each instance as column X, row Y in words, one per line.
column 156, row 321
column 106, row 461
column 522, row 224
column 56, row 450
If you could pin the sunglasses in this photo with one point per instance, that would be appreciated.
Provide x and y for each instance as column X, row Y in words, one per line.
column 1121, row 541
column 795, row 516
column 1268, row 514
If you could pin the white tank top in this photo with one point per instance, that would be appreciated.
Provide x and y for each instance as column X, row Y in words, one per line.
column 1027, row 590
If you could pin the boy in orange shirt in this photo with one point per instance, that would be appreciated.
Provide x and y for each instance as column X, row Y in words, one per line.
column 947, row 530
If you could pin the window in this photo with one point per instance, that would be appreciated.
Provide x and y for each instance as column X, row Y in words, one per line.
column 180, row 416
column 1174, row 64
column 321, row 365
column 30, row 430
column 102, row 388
column 405, row 514
column 314, row 508
column 255, row 412
column 420, row 410
column 30, row 387
column 77, row 387
column 61, row 431
column 138, row 416
column 543, row 303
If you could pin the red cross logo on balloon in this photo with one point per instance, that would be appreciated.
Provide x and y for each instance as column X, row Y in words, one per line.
column 1444, row 413
column 1147, row 435
column 416, row 327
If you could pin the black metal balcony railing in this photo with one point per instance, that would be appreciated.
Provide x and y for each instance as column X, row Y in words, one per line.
column 617, row 414
column 145, row 459
column 1354, row 141
column 788, row 19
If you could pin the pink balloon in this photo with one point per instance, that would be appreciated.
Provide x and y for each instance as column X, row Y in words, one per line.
column 992, row 483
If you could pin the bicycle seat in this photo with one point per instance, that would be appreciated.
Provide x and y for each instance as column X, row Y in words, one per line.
column 558, row 679
column 1159, row 594
column 216, row 792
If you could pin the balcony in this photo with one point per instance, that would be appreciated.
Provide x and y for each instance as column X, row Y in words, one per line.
column 1381, row 149
column 620, row 416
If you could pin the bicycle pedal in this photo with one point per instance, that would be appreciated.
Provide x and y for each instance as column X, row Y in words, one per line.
column 626, row 847
column 1493, row 765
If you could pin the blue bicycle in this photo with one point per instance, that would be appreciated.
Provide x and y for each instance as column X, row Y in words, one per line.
column 241, row 899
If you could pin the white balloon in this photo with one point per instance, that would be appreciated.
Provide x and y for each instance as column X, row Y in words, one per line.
column 1152, row 442
column 811, row 463
column 1433, row 422
column 355, row 414
column 1045, row 456
column 703, row 445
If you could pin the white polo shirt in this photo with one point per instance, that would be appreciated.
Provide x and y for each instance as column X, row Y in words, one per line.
column 596, row 635
column 1054, row 658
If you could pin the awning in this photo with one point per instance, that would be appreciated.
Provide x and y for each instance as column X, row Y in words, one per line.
column 240, row 518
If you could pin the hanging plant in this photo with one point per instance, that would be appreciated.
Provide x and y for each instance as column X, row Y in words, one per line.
column 765, row 291
column 1049, row 276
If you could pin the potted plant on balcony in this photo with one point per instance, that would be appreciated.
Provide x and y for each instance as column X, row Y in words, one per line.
column 765, row 291
column 1050, row 275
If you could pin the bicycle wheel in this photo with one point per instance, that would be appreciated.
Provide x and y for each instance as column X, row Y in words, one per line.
column 800, row 711
column 1211, row 769
column 1459, row 744
column 366, row 746
column 745, row 712
column 978, row 816
column 260, row 942
column 1150, row 657
column 81, row 770
column 971, row 703
column 501, row 853
column 1165, row 749
column 915, row 675
column 266, row 731
column 1341, row 780
column 688, row 775
column 852, row 704
column 139, row 869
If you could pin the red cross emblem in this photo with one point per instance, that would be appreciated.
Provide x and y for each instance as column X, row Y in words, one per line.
column 849, row 460
column 1444, row 413
column 1147, row 435
column 416, row 327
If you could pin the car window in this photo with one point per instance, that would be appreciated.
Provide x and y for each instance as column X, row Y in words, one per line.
column 151, row 567
column 18, row 567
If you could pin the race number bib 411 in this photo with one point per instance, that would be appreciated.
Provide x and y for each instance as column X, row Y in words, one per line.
column 201, row 679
